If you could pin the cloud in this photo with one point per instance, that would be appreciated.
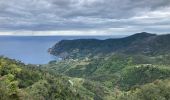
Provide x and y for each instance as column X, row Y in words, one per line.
column 84, row 16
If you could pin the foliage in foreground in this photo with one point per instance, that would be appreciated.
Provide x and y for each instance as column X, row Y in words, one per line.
column 116, row 77
column 21, row 82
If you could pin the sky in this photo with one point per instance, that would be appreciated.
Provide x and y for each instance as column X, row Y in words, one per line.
column 84, row 17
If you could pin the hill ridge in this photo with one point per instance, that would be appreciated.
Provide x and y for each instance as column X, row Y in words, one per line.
column 139, row 43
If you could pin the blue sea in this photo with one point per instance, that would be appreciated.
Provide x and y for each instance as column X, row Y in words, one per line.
column 34, row 49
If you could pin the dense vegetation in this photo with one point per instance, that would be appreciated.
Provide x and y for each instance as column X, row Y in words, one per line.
column 114, row 76
column 27, row 82
column 140, row 43
column 124, row 75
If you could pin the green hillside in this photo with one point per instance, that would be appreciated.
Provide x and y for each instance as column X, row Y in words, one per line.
column 30, row 82
column 99, row 73
column 140, row 43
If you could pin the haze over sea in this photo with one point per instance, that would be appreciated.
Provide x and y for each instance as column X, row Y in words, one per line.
column 34, row 49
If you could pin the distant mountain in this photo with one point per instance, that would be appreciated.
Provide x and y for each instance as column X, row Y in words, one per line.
column 140, row 43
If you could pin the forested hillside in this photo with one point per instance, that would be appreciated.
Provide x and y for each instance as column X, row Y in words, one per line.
column 140, row 43
column 29, row 82
column 118, row 77
column 105, row 74
column 126, row 76
column 132, row 68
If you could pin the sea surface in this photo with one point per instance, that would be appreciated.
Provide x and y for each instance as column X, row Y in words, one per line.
column 34, row 49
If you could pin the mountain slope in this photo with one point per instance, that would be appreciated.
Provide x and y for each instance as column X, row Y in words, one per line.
column 140, row 43
column 29, row 82
column 127, row 76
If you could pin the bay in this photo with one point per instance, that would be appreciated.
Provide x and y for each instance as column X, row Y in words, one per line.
column 34, row 49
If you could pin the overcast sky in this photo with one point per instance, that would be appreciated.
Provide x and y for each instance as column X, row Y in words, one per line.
column 83, row 17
